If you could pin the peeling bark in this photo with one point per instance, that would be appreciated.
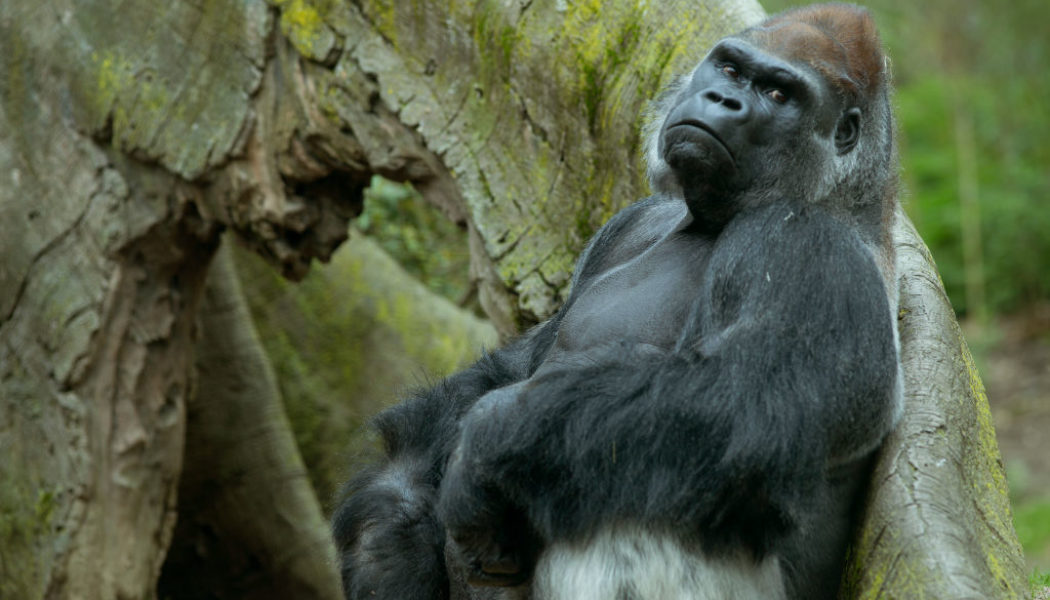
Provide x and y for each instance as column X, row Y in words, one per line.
column 95, row 368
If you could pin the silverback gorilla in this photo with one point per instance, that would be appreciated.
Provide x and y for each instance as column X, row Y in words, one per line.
column 699, row 418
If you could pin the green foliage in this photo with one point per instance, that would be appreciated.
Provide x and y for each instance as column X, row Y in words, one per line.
column 1012, row 188
column 929, row 175
column 425, row 242
column 1032, row 521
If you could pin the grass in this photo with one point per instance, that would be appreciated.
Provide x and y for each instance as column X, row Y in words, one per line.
column 1032, row 521
column 1039, row 580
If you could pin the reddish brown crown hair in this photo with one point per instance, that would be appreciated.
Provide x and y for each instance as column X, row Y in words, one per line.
column 838, row 40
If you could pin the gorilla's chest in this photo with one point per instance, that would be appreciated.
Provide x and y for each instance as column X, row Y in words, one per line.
column 643, row 301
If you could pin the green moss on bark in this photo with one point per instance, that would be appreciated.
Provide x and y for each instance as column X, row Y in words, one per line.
column 382, row 332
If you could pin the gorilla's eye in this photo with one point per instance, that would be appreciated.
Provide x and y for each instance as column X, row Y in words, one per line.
column 777, row 96
column 730, row 71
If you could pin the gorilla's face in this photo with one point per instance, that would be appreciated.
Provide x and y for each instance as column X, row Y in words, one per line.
column 750, row 121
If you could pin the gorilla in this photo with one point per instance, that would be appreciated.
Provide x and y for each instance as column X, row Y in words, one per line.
column 699, row 419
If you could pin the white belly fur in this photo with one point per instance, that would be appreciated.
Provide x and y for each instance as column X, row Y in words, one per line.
column 629, row 563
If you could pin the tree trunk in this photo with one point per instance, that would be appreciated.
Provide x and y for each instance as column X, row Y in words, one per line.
column 382, row 332
column 938, row 522
column 132, row 132
column 249, row 526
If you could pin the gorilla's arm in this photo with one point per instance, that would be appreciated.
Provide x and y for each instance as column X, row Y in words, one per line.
column 788, row 367
column 390, row 541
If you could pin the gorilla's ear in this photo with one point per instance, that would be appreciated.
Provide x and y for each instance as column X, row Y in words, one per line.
column 847, row 132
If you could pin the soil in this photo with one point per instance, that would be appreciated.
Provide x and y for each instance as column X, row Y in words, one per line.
column 1015, row 367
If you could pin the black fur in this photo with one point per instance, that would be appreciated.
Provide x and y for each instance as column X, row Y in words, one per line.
column 390, row 542
column 788, row 359
column 722, row 371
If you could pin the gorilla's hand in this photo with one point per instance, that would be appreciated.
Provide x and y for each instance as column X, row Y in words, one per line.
column 491, row 536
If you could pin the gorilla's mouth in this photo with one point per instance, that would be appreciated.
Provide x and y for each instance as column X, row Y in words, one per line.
column 695, row 124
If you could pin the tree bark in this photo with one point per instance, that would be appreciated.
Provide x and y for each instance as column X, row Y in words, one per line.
column 382, row 333
column 938, row 522
column 132, row 132
column 249, row 526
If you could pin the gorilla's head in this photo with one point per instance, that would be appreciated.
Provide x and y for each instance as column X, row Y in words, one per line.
column 796, row 106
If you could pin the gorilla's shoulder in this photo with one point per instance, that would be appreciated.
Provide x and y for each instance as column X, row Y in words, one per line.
column 629, row 232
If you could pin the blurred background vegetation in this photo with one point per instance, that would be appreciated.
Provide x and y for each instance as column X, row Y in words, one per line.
column 972, row 94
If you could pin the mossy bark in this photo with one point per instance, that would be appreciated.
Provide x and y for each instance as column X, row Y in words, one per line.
column 381, row 334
